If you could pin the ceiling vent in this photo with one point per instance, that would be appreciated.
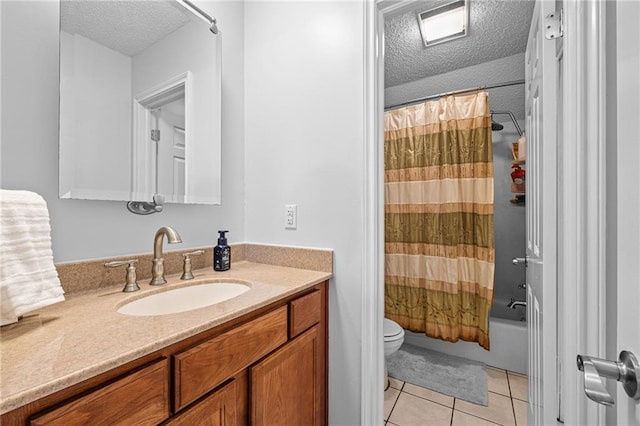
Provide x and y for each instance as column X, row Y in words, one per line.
column 444, row 23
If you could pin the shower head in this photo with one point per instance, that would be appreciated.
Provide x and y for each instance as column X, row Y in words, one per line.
column 496, row 127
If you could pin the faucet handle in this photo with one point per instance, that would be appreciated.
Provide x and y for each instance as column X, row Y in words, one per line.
column 194, row 253
column 131, row 283
column 186, row 267
column 115, row 263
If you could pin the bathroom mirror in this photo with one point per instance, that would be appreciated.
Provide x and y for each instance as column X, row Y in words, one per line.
column 139, row 102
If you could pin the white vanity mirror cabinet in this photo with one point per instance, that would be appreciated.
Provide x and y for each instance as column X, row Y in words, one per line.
column 139, row 101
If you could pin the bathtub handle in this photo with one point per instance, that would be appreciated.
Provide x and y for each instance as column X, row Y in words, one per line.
column 626, row 371
column 519, row 261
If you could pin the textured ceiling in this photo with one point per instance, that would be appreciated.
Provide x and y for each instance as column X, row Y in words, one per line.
column 497, row 29
column 500, row 70
column 128, row 27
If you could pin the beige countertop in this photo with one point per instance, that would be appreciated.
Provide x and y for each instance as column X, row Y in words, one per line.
column 63, row 344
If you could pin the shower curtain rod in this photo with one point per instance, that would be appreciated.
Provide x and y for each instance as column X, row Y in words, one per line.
column 455, row 92
column 212, row 21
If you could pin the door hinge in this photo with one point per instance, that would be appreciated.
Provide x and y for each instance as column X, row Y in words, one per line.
column 155, row 135
column 553, row 28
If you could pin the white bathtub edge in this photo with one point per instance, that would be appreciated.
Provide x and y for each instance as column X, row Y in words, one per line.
column 508, row 346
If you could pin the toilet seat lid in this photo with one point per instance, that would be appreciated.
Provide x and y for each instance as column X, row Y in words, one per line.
column 391, row 328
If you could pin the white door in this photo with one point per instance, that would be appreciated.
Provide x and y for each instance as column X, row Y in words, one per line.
column 179, row 169
column 628, row 198
column 623, row 251
column 627, row 314
column 541, row 71
column 171, row 151
column 601, row 301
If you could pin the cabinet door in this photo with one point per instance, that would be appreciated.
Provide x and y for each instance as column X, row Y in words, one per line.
column 287, row 386
column 217, row 409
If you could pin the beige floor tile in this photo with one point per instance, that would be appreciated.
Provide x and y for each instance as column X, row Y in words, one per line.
column 390, row 397
column 411, row 410
column 395, row 383
column 498, row 411
column 497, row 381
column 519, row 385
column 463, row 419
column 521, row 408
column 428, row 394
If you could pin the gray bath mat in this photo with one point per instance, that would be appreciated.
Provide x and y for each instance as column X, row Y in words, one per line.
column 450, row 375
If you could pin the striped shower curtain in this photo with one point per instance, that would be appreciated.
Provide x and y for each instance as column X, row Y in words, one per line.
column 439, row 242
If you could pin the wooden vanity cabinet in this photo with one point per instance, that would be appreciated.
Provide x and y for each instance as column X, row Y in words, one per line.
column 266, row 367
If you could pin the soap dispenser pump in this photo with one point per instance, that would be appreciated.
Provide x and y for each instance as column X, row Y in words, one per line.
column 222, row 254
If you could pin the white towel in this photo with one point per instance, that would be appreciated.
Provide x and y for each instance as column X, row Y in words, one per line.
column 28, row 277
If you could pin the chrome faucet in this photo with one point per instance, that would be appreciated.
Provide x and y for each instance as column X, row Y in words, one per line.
column 514, row 303
column 157, row 272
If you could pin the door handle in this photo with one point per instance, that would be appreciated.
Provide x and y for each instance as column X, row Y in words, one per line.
column 519, row 261
column 626, row 371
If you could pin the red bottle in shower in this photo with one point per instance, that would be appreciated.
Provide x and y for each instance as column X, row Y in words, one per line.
column 518, row 175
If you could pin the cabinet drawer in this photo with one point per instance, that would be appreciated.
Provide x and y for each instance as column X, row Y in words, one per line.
column 305, row 312
column 142, row 397
column 207, row 365
column 218, row 408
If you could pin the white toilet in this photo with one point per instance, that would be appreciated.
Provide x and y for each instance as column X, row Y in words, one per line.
column 393, row 338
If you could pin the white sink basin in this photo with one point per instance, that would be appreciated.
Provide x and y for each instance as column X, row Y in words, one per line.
column 183, row 299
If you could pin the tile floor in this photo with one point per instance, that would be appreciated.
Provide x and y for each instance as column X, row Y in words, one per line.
column 409, row 405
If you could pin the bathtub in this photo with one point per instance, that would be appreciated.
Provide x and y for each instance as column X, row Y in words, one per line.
column 508, row 344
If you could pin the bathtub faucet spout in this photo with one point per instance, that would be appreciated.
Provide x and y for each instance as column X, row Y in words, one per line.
column 514, row 303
